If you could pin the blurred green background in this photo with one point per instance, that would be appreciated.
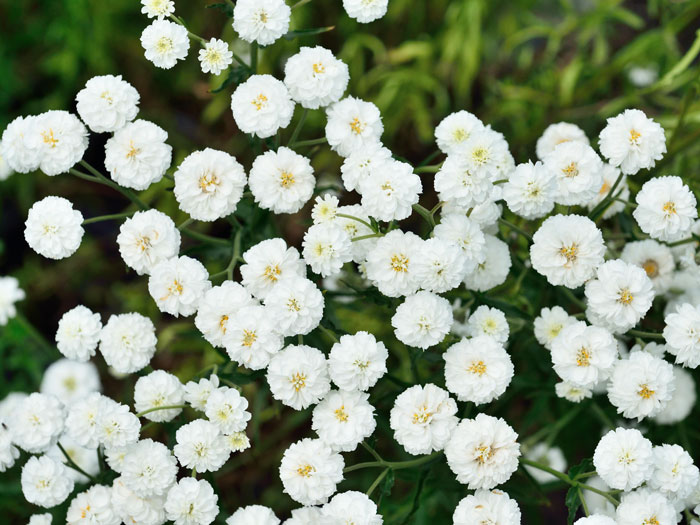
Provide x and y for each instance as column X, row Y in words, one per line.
column 518, row 65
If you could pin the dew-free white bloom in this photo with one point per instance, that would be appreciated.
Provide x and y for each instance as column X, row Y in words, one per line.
column 487, row 506
column 209, row 184
column 622, row 192
column 466, row 234
column 40, row 519
column 70, row 380
column 327, row 247
column 423, row 418
column 632, row 141
column 343, row 419
column 530, row 190
column 237, row 442
column 645, row 505
column 483, row 452
column 78, row 333
column 353, row 125
column 595, row 519
column 484, row 153
column 477, row 369
column 542, row 453
column 146, row 239
column 149, row 468
column 36, row 422
column 315, row 78
column 654, row 258
column 8, row 452
column 682, row 400
column 310, row 471
column 268, row 263
column 60, row 140
column 128, row 342
column 157, row 8
column 682, row 335
column 578, row 171
column 5, row 169
column 10, row 293
column 296, row 306
column 584, row 355
column 440, row 266
column 252, row 337
column 559, row 133
column 298, row 376
column 218, row 307
column 675, row 475
column 165, row 42
column 365, row 11
column 53, row 228
column 325, row 208
column 132, row 508
column 308, row 516
column 282, row 181
column 201, row 446
column 107, row 103
column 261, row 21
column 261, row 105
column 488, row 321
column 226, row 408
column 116, row 426
column 422, row 320
column 391, row 264
column 215, row 56
column 572, row 392
column 191, row 502
column 493, row 269
column 93, row 507
column 18, row 148
column 390, row 191
column 624, row 458
column 156, row 390
column 177, row 285
column 357, row 361
column 197, row 392
column 136, row 155
column 82, row 419
column 353, row 505
column 459, row 183
column 360, row 163
column 567, row 250
column 253, row 515
column 666, row 209
column 45, row 482
column 455, row 129
column 549, row 323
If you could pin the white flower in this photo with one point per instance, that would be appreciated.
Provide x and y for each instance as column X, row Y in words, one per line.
column 36, row 422
column 218, row 308
column 584, row 355
column 209, row 184
column 422, row 320
column 156, row 390
column 484, row 153
column 352, row 505
column 8, row 452
column 132, row 508
column 310, row 471
column 197, row 393
column 622, row 192
column 116, row 426
column 157, row 8
column 201, row 446
column 226, row 408
column 70, row 380
column 578, row 171
column 485, row 215
column 571, row 392
column 343, row 419
column 78, row 333
column 459, row 183
column 136, row 155
column 149, row 468
column 177, row 285
column 623, row 458
column 5, row 169
column 666, row 209
column 10, row 293
column 567, row 250
column 215, row 56
column 353, row 125
column 487, row 506
column 85, row 458
column 268, row 263
column 488, row 321
column 252, row 337
column 361, row 163
column 682, row 335
column 146, row 239
column 261, row 21
column 327, row 247
column 682, row 400
column 82, row 419
column 165, row 43
column 466, row 234
column 325, row 209
column 455, row 129
column 253, row 515
column 441, row 265
column 60, row 140
column 191, row 502
column 295, row 305
column 93, row 507
column 595, row 519
column 483, row 452
column 365, row 11
column 261, row 105
column 307, row 516
column 315, row 78
column 675, row 475
column 423, row 418
column 542, row 453
column 356, row 362
column 530, row 190
column 619, row 296
column 654, row 258
column 549, row 323
column 390, row 191
column 237, row 442
column 53, row 228
column 632, row 141
column 644, row 505
column 281, row 181
column 128, row 342
column 298, row 376
column 494, row 267
column 45, row 482
column 478, row 369
column 18, row 147
column 40, row 519
column 391, row 264
column 559, row 133
column 107, row 103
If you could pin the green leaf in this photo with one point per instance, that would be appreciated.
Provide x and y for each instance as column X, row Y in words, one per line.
column 388, row 483
column 227, row 9
column 585, row 466
column 308, row 32
column 236, row 75
column 572, row 503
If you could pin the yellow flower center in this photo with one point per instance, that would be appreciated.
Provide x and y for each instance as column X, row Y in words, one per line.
column 262, row 16
column 298, row 381
column 133, row 150
column 208, row 181
column 69, row 383
column 319, row 68
column 340, row 414
column 164, row 45
column 305, row 471
column 249, row 337
column 570, row 253
column 422, row 416
column 478, row 368
column 570, row 171
column 49, row 138
column 259, row 102
column 460, row 135
column 626, row 296
column 362, row 365
column 480, row 155
column 604, row 189
column 634, row 137
column 286, row 179
column 293, row 304
column 222, row 323
column 651, row 521
column 583, row 357
column 484, row 453
column 645, row 392
column 399, row 263
column 651, row 267
column 272, row 273
column 356, row 126
column 669, row 208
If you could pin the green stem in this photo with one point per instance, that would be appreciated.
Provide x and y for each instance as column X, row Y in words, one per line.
column 184, row 224
column 428, row 169
column 395, row 465
column 603, row 493
column 205, row 238
column 363, row 237
column 684, row 241
column 235, row 257
column 515, row 228
column 545, row 468
column 300, row 3
column 377, row 481
column 570, row 295
column 425, row 213
column 297, row 128
column 645, row 335
column 192, row 35
column 312, row 142
column 109, row 182
column 352, row 217
column 73, row 465
column 114, row 216
column 603, row 205
column 583, row 501
column 369, row 449
column 164, row 407
column 330, row 333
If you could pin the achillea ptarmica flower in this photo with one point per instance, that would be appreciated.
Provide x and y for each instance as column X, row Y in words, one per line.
column 128, row 342
column 53, row 228
column 353, row 125
column 177, row 285
column 632, row 141
column 666, row 209
column 146, row 239
column 487, row 506
column 261, row 105
column 215, row 57
column 315, row 77
column 261, row 21
column 107, row 103
column 559, row 133
column 624, row 459
column 165, row 43
column 282, row 181
column 310, row 471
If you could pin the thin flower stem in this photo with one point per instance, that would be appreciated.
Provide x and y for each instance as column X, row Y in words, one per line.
column 377, row 481
column 363, row 237
column 599, row 210
column 369, row 449
column 583, row 501
column 500, row 181
column 192, row 35
column 645, row 335
column 515, row 228
column 297, row 128
column 72, row 464
column 184, row 224
column 545, row 468
column 330, row 333
column 239, row 59
column 425, row 213
column 98, row 177
column 114, row 216
column 164, row 407
column 312, row 142
column 694, row 238
column 395, row 465
column 626, row 203
column 434, row 168
column 606, row 495
column 570, row 295
column 300, row 3
column 352, row 217
column 235, row 257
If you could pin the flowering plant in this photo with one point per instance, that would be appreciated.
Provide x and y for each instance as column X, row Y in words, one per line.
column 524, row 297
